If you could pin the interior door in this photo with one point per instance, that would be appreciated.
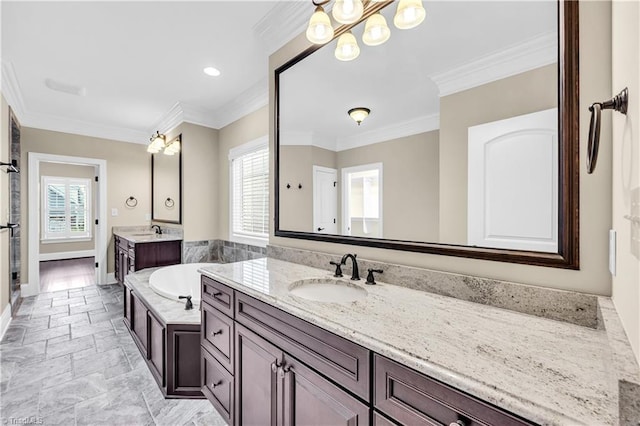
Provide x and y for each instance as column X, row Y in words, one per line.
column 513, row 183
column 325, row 200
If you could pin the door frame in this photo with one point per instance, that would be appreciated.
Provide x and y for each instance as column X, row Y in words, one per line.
column 101, row 241
column 315, row 194
column 345, row 193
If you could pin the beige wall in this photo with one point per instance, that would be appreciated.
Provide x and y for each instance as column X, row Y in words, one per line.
column 72, row 171
column 4, row 206
column 595, row 190
column 246, row 129
column 626, row 167
column 200, row 199
column 128, row 174
column 296, row 205
column 523, row 93
column 410, row 173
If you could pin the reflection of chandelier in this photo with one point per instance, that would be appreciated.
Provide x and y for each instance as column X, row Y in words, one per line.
column 409, row 14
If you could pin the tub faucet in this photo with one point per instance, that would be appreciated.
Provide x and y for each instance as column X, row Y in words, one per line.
column 158, row 230
column 189, row 304
column 355, row 274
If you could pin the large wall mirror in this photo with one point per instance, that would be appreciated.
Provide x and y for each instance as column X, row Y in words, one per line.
column 470, row 145
column 166, row 184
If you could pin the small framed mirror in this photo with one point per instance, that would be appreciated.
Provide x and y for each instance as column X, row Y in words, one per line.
column 166, row 183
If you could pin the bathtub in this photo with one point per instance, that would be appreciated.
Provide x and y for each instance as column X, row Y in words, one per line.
column 178, row 280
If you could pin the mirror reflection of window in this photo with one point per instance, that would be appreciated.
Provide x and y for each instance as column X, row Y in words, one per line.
column 362, row 189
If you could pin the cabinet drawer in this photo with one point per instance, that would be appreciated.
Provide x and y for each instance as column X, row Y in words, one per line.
column 217, row 335
column 380, row 420
column 413, row 398
column 218, row 386
column 218, row 295
column 339, row 359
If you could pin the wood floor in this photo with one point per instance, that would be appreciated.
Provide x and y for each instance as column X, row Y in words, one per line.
column 57, row 275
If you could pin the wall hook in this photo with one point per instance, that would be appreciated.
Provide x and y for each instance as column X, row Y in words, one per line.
column 617, row 103
column 169, row 202
column 288, row 186
column 299, row 186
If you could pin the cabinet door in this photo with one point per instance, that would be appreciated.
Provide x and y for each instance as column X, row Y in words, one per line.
column 127, row 307
column 157, row 349
column 257, row 364
column 140, row 319
column 310, row 399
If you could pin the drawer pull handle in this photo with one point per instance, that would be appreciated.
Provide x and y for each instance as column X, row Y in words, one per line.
column 457, row 423
column 215, row 333
column 216, row 294
column 215, row 385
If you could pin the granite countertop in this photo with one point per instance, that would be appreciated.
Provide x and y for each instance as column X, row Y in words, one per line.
column 169, row 311
column 146, row 236
column 547, row 371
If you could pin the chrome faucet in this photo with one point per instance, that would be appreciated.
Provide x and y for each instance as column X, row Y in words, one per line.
column 158, row 230
column 355, row 274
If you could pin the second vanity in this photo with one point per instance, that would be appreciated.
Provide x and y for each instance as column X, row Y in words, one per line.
column 390, row 355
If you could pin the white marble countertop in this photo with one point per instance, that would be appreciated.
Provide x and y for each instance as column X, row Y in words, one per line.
column 146, row 236
column 170, row 311
column 547, row 371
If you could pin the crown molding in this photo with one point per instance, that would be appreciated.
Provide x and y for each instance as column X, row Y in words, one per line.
column 10, row 89
column 294, row 138
column 252, row 99
column 414, row 126
column 533, row 53
column 84, row 128
column 283, row 22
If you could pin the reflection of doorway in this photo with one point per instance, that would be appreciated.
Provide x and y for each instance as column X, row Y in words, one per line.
column 325, row 200
column 362, row 200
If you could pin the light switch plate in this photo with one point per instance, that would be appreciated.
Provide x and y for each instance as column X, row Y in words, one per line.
column 612, row 252
column 147, row 216
column 114, row 212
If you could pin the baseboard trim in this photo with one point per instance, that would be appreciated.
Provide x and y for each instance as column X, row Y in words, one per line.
column 67, row 255
column 5, row 320
column 111, row 278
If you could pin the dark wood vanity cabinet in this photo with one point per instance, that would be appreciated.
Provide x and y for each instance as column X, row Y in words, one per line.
column 131, row 256
column 281, row 370
column 171, row 351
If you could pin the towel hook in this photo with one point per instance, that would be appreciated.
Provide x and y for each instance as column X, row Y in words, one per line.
column 617, row 103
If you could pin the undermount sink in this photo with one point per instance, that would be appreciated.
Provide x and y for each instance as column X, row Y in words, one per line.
column 147, row 234
column 327, row 290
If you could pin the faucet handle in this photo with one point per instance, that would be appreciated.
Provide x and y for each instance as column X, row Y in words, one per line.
column 338, row 266
column 370, row 278
column 189, row 304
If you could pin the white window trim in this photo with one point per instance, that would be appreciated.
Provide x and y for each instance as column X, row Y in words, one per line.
column 238, row 151
column 87, row 236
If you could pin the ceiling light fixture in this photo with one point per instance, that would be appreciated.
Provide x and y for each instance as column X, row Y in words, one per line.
column 173, row 147
column 213, row 72
column 359, row 114
column 409, row 14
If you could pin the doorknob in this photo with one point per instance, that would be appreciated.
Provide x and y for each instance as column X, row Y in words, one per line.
column 320, row 229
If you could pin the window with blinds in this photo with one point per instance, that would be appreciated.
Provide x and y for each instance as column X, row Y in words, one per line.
column 66, row 208
column 249, row 169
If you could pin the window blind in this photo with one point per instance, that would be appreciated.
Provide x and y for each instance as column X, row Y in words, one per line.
column 250, row 193
column 66, row 207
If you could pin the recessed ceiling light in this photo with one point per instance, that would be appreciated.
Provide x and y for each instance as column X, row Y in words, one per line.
column 213, row 72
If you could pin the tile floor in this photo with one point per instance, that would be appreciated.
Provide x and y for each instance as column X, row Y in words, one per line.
column 57, row 275
column 67, row 359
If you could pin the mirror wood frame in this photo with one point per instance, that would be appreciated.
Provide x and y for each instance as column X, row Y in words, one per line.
column 153, row 213
column 569, row 162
